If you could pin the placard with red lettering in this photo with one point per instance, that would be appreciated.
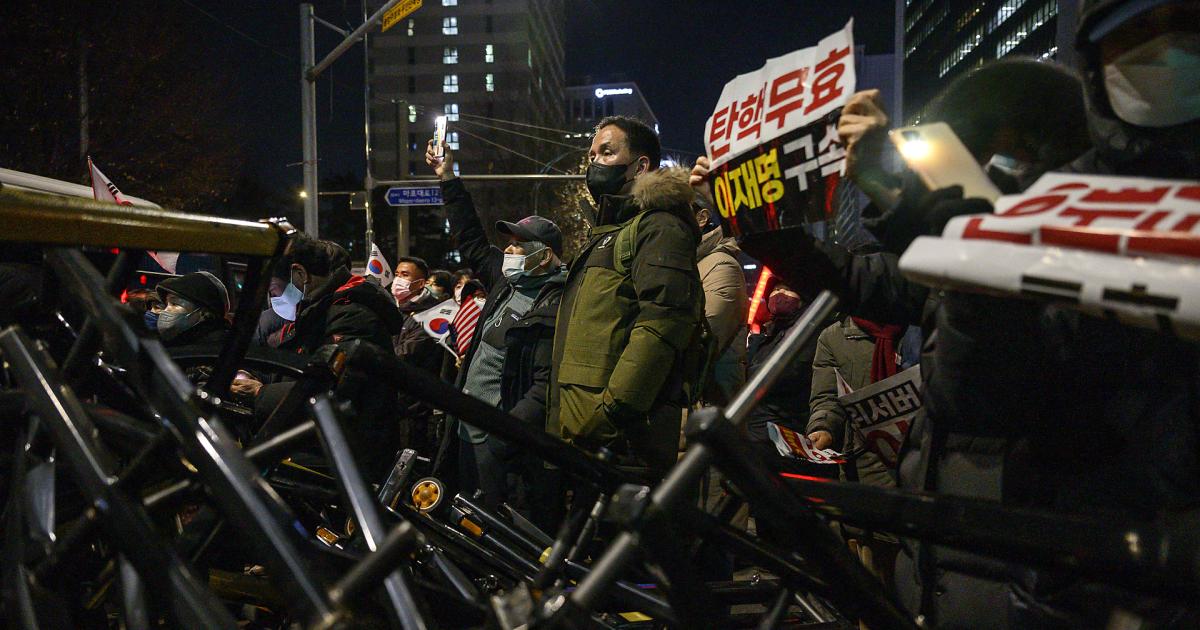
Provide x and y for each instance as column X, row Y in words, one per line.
column 796, row 445
column 1162, row 295
column 1126, row 216
column 882, row 412
column 772, row 138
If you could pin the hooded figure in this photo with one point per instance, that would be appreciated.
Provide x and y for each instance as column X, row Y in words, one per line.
column 1037, row 406
column 196, row 308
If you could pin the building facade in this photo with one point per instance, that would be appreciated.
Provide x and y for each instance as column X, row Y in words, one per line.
column 938, row 40
column 586, row 105
column 484, row 64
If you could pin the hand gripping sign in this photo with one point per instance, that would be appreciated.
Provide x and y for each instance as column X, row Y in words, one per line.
column 1123, row 247
column 772, row 138
column 796, row 445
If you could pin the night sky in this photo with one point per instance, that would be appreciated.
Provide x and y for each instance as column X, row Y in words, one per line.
column 680, row 53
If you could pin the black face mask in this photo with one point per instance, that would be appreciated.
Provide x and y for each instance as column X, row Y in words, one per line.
column 605, row 179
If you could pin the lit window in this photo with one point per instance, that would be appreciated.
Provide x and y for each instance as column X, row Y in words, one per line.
column 452, row 140
column 450, row 83
column 489, row 81
column 451, row 111
column 411, row 26
column 489, row 54
column 450, row 26
column 412, row 113
column 529, row 57
column 449, row 3
column 1005, row 10
column 455, row 167
column 450, row 54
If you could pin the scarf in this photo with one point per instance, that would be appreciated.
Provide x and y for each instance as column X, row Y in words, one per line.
column 883, row 362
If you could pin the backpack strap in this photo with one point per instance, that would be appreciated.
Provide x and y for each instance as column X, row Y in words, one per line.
column 626, row 242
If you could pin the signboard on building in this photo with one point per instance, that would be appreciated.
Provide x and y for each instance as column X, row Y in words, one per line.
column 414, row 196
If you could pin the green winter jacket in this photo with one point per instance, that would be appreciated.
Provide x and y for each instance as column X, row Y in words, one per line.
column 622, row 339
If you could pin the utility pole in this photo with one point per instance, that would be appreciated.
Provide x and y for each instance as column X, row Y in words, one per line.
column 368, row 183
column 310, row 69
column 308, row 105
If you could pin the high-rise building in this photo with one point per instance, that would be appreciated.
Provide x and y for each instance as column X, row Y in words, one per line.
column 937, row 40
column 586, row 105
column 477, row 62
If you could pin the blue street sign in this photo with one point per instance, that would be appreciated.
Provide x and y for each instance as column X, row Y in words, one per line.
column 415, row 196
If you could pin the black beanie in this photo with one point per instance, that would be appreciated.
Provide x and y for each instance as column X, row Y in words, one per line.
column 200, row 287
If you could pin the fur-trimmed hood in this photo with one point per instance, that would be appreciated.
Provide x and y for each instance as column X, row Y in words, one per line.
column 664, row 189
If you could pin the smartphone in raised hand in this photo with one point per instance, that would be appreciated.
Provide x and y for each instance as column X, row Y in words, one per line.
column 940, row 159
column 439, row 136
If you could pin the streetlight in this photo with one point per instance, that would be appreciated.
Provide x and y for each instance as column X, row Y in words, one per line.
column 304, row 194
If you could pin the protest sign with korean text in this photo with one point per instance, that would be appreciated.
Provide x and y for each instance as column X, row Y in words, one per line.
column 882, row 412
column 796, row 445
column 1121, row 247
column 772, row 138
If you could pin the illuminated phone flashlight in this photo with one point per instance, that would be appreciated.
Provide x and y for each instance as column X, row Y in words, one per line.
column 439, row 135
column 915, row 148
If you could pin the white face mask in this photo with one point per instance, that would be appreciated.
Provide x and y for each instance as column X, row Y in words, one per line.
column 285, row 305
column 514, row 264
column 1157, row 83
column 401, row 289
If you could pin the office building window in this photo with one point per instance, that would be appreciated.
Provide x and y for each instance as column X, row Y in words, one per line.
column 451, row 111
column 412, row 26
column 961, row 51
column 412, row 142
column 412, row 55
column 450, row 83
column 529, row 56
column 412, row 84
column 449, row 3
column 490, row 109
column 452, row 140
column 412, row 113
column 489, row 82
column 449, row 26
column 1003, row 13
column 1026, row 27
column 455, row 169
column 450, row 54
column 489, row 53
column 487, row 24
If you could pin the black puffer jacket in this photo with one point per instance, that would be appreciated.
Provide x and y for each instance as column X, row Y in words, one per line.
column 345, row 309
column 787, row 402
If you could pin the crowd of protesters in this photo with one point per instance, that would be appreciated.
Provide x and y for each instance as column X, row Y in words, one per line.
column 611, row 349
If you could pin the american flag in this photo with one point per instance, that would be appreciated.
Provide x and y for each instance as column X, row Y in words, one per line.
column 464, row 323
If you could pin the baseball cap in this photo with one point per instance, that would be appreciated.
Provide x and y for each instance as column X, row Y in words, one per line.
column 534, row 228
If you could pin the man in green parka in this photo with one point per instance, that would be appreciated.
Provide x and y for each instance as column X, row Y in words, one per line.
column 628, row 344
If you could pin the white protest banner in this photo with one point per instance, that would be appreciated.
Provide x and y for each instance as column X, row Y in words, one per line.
column 796, row 445
column 772, row 138
column 882, row 412
column 1128, row 216
column 1123, row 247
column 1158, row 294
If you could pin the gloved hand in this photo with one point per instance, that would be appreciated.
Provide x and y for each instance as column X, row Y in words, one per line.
column 922, row 213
